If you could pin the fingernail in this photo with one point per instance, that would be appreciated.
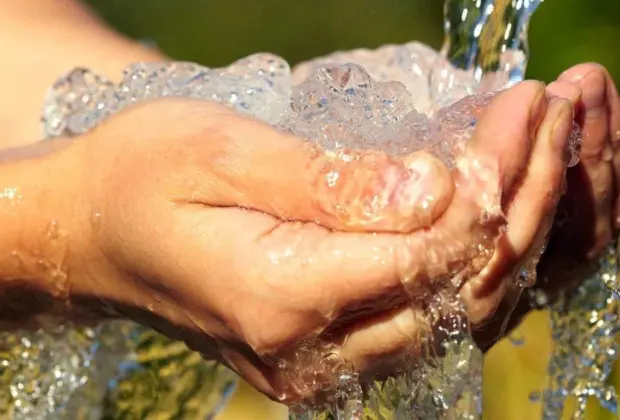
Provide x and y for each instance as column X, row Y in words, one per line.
column 561, row 128
column 594, row 98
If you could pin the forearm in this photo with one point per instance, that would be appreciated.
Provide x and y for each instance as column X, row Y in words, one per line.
column 35, row 249
column 42, row 40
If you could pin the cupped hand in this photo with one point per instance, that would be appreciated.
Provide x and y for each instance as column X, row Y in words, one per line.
column 589, row 212
column 245, row 242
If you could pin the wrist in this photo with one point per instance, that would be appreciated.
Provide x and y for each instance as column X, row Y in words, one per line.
column 39, row 206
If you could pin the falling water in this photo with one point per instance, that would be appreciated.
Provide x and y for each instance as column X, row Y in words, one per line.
column 485, row 43
column 481, row 33
column 584, row 325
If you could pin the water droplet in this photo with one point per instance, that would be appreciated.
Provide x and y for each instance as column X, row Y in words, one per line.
column 332, row 178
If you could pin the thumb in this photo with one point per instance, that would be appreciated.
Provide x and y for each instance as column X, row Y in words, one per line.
column 264, row 169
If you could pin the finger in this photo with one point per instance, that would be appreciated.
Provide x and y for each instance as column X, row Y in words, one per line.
column 497, row 154
column 380, row 343
column 263, row 169
column 502, row 141
column 374, row 344
column 302, row 272
column 565, row 90
column 259, row 264
column 482, row 302
column 532, row 207
column 253, row 370
column 601, row 135
column 505, row 315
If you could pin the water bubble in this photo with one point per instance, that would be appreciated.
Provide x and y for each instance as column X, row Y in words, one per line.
column 538, row 298
column 53, row 231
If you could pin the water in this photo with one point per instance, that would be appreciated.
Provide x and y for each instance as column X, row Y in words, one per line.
column 485, row 43
column 115, row 371
column 480, row 34
column 383, row 102
column 584, row 326
column 485, row 49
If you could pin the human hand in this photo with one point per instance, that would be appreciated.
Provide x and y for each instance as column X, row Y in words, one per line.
column 589, row 212
column 220, row 231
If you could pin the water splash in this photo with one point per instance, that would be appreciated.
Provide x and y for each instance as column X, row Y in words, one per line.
column 34, row 388
column 444, row 382
column 607, row 273
column 517, row 338
column 116, row 370
column 584, row 325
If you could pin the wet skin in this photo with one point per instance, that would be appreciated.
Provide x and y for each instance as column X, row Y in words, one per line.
column 217, row 230
column 588, row 213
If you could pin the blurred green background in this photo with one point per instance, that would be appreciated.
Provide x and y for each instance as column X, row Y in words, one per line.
column 217, row 32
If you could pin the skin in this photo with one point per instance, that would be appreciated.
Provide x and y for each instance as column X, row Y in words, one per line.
column 44, row 39
column 174, row 201
column 589, row 211
column 202, row 219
